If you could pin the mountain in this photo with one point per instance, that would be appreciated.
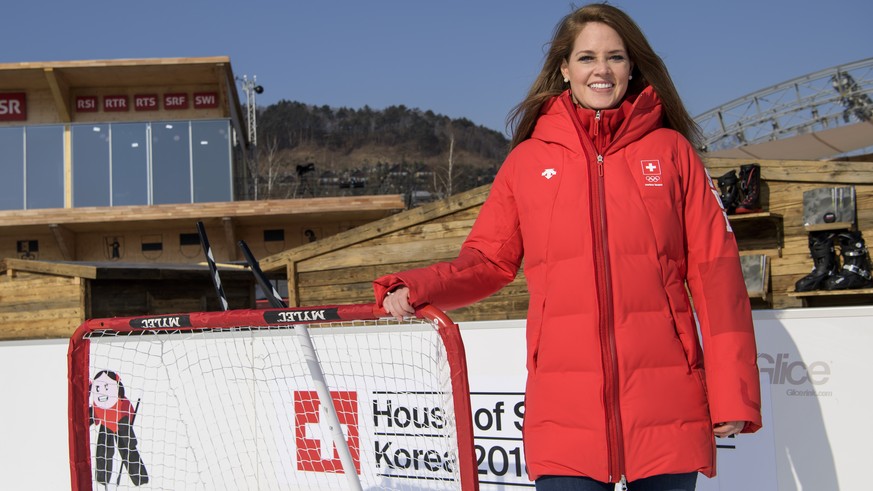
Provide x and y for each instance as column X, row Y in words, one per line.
column 306, row 150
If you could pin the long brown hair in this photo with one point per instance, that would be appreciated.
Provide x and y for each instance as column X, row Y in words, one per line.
column 649, row 69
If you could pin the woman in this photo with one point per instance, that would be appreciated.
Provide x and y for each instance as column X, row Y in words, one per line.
column 614, row 214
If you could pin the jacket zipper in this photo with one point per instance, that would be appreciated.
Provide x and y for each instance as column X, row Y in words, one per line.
column 615, row 447
column 615, row 442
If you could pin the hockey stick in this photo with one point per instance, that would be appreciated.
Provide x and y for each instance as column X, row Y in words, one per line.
column 213, row 269
column 273, row 296
column 326, row 401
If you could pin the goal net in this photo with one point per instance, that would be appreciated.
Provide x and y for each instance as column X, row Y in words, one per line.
column 302, row 398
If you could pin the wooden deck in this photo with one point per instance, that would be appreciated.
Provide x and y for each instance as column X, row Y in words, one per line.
column 341, row 268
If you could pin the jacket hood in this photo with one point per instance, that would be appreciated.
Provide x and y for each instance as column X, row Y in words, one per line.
column 636, row 116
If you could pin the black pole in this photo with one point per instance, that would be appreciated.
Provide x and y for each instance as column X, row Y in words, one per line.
column 273, row 296
column 213, row 269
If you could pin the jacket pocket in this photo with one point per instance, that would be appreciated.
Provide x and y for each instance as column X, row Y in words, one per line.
column 534, row 330
column 684, row 326
column 701, row 377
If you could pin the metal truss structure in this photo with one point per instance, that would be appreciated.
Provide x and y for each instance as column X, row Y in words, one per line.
column 839, row 96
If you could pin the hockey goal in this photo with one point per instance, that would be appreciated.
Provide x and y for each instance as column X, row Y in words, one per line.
column 330, row 397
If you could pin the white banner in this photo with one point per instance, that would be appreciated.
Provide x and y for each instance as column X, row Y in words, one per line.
column 815, row 395
column 497, row 380
column 814, row 399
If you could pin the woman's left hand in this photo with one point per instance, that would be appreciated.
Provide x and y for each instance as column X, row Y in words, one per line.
column 723, row 430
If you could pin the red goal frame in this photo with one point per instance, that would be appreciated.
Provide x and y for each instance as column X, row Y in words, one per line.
column 78, row 356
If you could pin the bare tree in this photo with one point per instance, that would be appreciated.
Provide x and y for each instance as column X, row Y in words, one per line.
column 252, row 165
column 445, row 179
column 451, row 162
column 271, row 162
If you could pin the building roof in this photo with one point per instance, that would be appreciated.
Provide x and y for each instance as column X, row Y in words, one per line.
column 808, row 146
column 63, row 78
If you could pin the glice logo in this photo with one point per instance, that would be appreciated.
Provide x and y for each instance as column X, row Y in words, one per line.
column 316, row 451
column 783, row 371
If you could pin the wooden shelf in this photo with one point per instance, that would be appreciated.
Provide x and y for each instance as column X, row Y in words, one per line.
column 753, row 216
column 822, row 293
column 817, row 227
column 835, row 298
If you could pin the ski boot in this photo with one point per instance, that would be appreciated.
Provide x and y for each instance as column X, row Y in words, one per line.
column 824, row 260
column 856, row 264
column 730, row 193
column 750, row 186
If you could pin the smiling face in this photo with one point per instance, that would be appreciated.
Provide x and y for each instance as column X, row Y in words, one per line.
column 104, row 391
column 598, row 67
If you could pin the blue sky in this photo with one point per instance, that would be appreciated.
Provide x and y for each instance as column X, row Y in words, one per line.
column 462, row 58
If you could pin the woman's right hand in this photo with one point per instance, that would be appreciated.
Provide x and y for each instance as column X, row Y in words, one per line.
column 396, row 303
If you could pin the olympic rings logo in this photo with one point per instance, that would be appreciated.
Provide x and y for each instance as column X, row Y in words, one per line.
column 653, row 178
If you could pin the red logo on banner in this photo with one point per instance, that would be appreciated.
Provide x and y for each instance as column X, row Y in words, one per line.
column 86, row 104
column 176, row 101
column 115, row 103
column 315, row 449
column 13, row 106
column 205, row 100
column 145, row 102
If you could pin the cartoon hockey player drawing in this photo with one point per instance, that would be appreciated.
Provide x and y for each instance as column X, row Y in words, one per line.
column 114, row 414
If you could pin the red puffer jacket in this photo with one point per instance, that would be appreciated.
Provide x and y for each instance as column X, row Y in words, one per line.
column 613, row 214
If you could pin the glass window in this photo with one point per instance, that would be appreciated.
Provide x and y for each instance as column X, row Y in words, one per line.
column 44, row 152
column 130, row 164
column 11, row 168
column 91, row 165
column 171, row 163
column 210, row 142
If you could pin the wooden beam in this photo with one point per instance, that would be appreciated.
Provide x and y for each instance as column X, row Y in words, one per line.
column 293, row 290
column 230, row 238
column 431, row 211
column 816, row 171
column 221, row 74
column 46, row 267
column 66, row 240
column 60, row 90
column 355, row 207
column 68, row 166
column 10, row 271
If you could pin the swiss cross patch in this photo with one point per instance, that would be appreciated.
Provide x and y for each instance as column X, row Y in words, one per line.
column 651, row 167
column 651, row 172
column 316, row 451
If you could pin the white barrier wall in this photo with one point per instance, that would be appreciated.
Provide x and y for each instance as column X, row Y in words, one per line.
column 34, row 453
column 815, row 394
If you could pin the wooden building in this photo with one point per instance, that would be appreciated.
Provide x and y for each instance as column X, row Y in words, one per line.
column 340, row 269
column 106, row 167
column 43, row 299
column 114, row 160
